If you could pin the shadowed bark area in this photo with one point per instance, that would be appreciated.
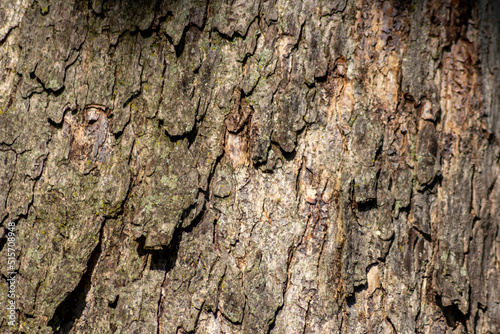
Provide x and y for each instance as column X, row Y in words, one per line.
column 251, row 166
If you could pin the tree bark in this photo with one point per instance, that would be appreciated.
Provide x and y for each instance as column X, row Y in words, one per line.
column 250, row 166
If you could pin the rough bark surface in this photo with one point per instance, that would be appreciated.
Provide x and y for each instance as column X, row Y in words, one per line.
column 251, row 166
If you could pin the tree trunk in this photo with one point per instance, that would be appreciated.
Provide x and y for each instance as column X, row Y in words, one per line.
column 250, row 166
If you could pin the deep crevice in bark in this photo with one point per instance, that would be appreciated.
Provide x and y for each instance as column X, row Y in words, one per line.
column 72, row 307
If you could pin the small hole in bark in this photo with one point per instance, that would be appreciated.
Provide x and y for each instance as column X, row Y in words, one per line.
column 351, row 299
column 114, row 303
column 368, row 205
column 452, row 313
column 289, row 156
column 161, row 259
column 147, row 33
